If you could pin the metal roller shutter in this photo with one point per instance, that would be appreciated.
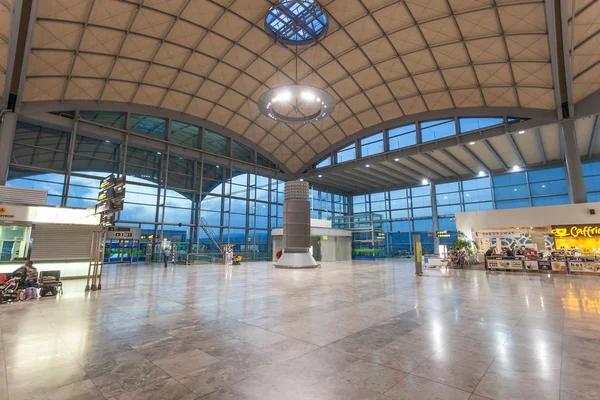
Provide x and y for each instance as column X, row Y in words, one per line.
column 61, row 242
column 12, row 195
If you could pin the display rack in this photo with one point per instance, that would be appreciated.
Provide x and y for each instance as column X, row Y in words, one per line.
column 367, row 234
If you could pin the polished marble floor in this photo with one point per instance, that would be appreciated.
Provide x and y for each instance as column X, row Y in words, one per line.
column 361, row 330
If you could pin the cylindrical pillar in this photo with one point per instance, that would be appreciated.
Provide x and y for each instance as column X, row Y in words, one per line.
column 577, row 192
column 296, row 227
column 434, row 216
column 8, row 127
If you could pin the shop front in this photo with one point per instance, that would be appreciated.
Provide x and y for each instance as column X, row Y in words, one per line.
column 539, row 239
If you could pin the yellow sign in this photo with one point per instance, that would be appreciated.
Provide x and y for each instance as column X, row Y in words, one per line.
column 575, row 231
column 418, row 252
column 324, row 237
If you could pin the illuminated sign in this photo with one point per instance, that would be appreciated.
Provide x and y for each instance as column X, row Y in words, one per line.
column 107, row 182
column 573, row 231
column 442, row 234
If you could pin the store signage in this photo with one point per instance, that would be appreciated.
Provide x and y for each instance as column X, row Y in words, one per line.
column 499, row 234
column 565, row 231
column 324, row 237
column 504, row 263
column 442, row 234
column 584, row 266
column 6, row 214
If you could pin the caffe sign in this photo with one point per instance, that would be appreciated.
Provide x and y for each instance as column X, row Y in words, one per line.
column 567, row 231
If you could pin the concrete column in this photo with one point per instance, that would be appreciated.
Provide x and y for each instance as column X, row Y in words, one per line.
column 8, row 127
column 434, row 217
column 577, row 192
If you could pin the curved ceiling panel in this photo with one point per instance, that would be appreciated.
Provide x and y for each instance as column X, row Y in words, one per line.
column 380, row 60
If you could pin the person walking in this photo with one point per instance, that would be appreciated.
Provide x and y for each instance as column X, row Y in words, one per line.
column 166, row 256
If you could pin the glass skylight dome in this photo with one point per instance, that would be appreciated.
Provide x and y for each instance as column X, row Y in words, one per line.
column 296, row 22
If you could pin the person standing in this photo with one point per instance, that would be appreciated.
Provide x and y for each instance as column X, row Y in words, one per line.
column 166, row 256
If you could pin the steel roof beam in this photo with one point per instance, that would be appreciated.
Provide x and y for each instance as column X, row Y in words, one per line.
column 474, row 157
column 372, row 175
column 516, row 149
column 402, row 169
column 338, row 184
column 357, row 182
column 457, row 161
column 495, row 154
column 538, row 138
column 400, row 174
column 426, row 168
column 594, row 136
column 386, row 172
column 440, row 164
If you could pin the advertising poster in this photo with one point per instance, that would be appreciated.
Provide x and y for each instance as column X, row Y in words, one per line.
column 545, row 265
column 584, row 266
column 531, row 265
column 560, row 266
column 504, row 264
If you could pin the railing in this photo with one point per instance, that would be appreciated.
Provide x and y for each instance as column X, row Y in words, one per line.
column 210, row 234
column 210, row 258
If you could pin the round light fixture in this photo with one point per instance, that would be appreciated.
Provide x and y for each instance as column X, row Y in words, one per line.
column 296, row 104
column 425, row 181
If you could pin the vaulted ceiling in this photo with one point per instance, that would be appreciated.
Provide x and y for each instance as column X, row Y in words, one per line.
column 382, row 60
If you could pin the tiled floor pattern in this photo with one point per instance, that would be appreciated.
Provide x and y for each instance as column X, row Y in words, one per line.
column 361, row 330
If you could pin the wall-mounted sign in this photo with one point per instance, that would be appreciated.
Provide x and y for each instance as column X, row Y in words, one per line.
column 324, row 237
column 573, row 231
column 499, row 234
column 442, row 234
column 123, row 232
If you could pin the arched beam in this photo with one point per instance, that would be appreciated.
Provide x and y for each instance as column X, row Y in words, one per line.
column 543, row 117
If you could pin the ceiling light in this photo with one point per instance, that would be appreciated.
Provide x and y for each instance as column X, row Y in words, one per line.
column 396, row 159
column 471, row 143
column 425, row 181
column 276, row 102
column 308, row 96
column 515, row 190
column 368, row 165
column 301, row 180
column 516, row 168
column 445, row 197
column 467, row 194
column 521, row 132
column 481, row 173
column 543, row 186
column 320, row 176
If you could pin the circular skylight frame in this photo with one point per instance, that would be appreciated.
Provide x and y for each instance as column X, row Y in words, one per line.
column 296, row 22
column 297, row 95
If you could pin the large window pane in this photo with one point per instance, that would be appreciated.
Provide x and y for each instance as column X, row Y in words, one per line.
column 346, row 154
column 371, row 145
column 324, row 162
column 114, row 119
column 40, row 147
column 150, row 126
column 215, row 143
column 403, row 136
column 53, row 183
column 241, row 152
column 434, row 130
column 185, row 134
column 473, row 124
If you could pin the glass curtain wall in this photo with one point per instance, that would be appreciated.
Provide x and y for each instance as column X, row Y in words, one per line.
column 190, row 202
column 408, row 211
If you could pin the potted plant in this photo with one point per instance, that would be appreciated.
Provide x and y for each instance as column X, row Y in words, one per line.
column 463, row 242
